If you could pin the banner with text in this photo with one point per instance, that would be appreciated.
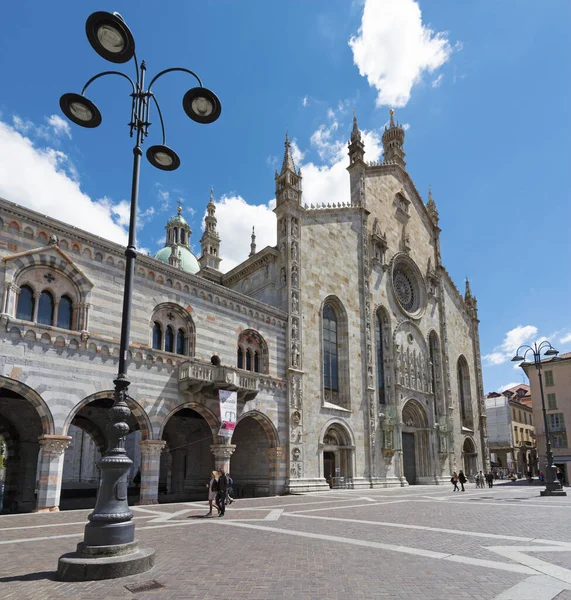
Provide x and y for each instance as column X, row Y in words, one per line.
column 228, row 410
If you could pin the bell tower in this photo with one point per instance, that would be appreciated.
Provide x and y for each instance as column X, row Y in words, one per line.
column 210, row 241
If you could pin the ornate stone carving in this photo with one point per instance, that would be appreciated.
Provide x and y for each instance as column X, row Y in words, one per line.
column 54, row 444
column 296, row 417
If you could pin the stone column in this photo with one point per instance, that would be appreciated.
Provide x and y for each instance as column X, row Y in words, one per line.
column 51, row 470
column 277, row 473
column 150, row 468
column 222, row 454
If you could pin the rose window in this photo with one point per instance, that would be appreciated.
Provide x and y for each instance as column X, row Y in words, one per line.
column 404, row 289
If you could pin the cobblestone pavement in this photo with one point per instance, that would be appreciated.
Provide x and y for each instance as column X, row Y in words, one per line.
column 505, row 543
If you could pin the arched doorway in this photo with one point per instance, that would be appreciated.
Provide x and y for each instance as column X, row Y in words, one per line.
column 415, row 443
column 250, row 463
column 187, row 460
column 87, row 426
column 24, row 417
column 470, row 457
column 338, row 452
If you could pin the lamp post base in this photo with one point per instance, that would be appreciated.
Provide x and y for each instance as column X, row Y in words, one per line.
column 553, row 489
column 91, row 563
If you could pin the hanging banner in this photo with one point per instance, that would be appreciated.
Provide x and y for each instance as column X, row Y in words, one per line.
column 228, row 410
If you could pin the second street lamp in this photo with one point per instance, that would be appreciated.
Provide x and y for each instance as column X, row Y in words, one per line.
column 109, row 548
column 552, row 485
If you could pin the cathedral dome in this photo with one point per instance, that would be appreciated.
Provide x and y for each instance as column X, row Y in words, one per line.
column 188, row 262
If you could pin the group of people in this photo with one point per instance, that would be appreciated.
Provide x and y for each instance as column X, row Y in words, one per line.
column 219, row 491
column 481, row 480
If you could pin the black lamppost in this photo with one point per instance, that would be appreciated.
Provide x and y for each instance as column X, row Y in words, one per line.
column 552, row 484
column 109, row 548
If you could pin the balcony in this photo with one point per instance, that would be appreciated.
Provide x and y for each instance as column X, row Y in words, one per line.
column 195, row 376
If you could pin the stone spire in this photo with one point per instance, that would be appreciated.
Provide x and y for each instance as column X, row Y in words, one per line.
column 431, row 207
column 393, row 142
column 287, row 162
column 356, row 146
column 468, row 292
column 288, row 181
column 210, row 241
column 253, row 243
column 470, row 300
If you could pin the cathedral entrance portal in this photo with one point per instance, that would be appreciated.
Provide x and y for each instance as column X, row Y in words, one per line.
column 409, row 458
column 338, row 454
column 415, row 443
column 470, row 457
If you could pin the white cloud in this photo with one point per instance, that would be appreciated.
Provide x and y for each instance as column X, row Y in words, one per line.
column 326, row 146
column 235, row 220
column 59, row 126
column 393, row 49
column 44, row 180
column 305, row 101
column 436, row 83
column 507, row 386
column 514, row 338
column 565, row 339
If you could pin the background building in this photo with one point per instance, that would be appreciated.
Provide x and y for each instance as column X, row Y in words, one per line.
column 557, row 394
column 511, row 431
column 355, row 358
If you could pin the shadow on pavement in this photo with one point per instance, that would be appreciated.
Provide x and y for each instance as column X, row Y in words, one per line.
column 50, row 575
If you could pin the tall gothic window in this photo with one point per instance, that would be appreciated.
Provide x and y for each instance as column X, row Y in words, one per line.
column 180, row 341
column 240, row 358
column 46, row 309
column 25, row 309
column 464, row 394
column 169, row 339
column 256, row 362
column 64, row 313
column 380, row 359
column 157, row 336
column 252, row 352
column 248, row 360
column 330, row 356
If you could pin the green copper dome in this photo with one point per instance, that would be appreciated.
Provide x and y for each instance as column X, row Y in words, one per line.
column 188, row 261
column 178, row 219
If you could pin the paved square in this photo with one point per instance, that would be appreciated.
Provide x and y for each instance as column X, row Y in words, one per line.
column 421, row 542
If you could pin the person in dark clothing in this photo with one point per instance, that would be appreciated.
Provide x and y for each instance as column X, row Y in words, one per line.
column 462, row 479
column 490, row 479
column 221, row 494
column 454, row 482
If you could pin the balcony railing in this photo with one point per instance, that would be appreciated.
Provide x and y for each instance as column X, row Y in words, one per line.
column 196, row 376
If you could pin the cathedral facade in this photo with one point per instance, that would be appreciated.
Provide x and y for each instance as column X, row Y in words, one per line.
column 355, row 359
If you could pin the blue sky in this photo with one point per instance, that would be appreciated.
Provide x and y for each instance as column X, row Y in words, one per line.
column 483, row 87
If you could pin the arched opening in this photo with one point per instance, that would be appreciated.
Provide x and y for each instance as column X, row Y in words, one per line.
column 250, row 463
column 335, row 354
column 25, row 310
column 46, row 308
column 337, row 450
column 465, row 394
column 252, row 353
column 470, row 457
column 21, row 424
column 415, row 444
column 169, row 339
column 187, row 460
column 87, row 426
column 64, row 313
column 180, row 342
column 157, row 336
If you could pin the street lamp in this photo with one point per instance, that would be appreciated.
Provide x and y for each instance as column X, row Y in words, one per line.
column 552, row 485
column 109, row 548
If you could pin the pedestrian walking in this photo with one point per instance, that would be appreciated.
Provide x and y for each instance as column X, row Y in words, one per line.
column 221, row 494
column 560, row 476
column 230, row 489
column 454, row 482
column 490, row 479
column 462, row 479
column 529, row 476
column 212, row 486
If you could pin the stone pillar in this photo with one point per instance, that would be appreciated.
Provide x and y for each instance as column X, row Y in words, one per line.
column 277, row 473
column 151, row 451
column 51, row 470
column 222, row 454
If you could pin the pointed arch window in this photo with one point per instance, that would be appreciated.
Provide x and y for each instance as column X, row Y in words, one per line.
column 330, row 353
column 46, row 308
column 25, row 309
column 180, row 342
column 464, row 394
column 169, row 339
column 157, row 336
column 64, row 313
column 256, row 362
column 380, row 359
column 248, row 360
column 240, row 358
